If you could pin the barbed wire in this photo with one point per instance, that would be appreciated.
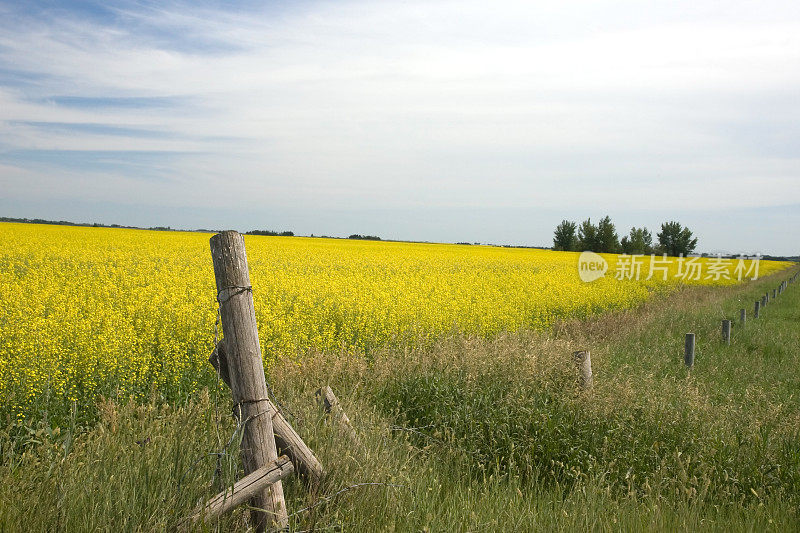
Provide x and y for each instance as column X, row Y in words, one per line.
column 326, row 499
column 441, row 442
column 218, row 470
column 240, row 290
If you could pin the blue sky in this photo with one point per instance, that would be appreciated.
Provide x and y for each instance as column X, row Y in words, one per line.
column 422, row 120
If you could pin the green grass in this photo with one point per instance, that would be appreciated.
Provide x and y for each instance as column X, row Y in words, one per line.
column 472, row 434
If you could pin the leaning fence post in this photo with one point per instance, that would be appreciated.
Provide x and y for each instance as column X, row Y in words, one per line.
column 742, row 316
column 688, row 352
column 583, row 360
column 246, row 371
column 756, row 308
column 726, row 332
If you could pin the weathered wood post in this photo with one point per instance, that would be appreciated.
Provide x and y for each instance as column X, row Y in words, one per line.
column 756, row 309
column 726, row 332
column 583, row 360
column 742, row 316
column 763, row 301
column 246, row 372
column 330, row 403
column 688, row 351
column 774, row 293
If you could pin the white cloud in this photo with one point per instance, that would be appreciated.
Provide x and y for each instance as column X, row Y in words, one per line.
column 426, row 103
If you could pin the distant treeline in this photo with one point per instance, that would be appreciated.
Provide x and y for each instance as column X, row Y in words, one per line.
column 58, row 222
column 364, row 237
column 269, row 233
column 89, row 224
column 795, row 258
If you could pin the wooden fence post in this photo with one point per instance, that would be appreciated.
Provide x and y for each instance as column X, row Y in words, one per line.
column 246, row 372
column 583, row 360
column 688, row 351
column 756, row 308
column 726, row 332
column 774, row 293
column 742, row 316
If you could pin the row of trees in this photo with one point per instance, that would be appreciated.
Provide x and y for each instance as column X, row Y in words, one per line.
column 270, row 233
column 364, row 237
column 674, row 239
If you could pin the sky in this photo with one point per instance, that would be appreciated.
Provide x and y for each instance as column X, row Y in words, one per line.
column 424, row 120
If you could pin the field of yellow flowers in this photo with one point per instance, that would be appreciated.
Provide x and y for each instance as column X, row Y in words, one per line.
column 90, row 311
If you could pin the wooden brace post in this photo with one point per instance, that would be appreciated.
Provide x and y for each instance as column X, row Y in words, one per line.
column 287, row 439
column 243, row 490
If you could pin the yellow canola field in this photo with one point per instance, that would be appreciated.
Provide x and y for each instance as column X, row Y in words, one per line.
column 88, row 311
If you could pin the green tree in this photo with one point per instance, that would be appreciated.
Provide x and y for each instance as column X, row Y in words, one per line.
column 675, row 239
column 565, row 238
column 639, row 241
column 587, row 237
column 607, row 238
